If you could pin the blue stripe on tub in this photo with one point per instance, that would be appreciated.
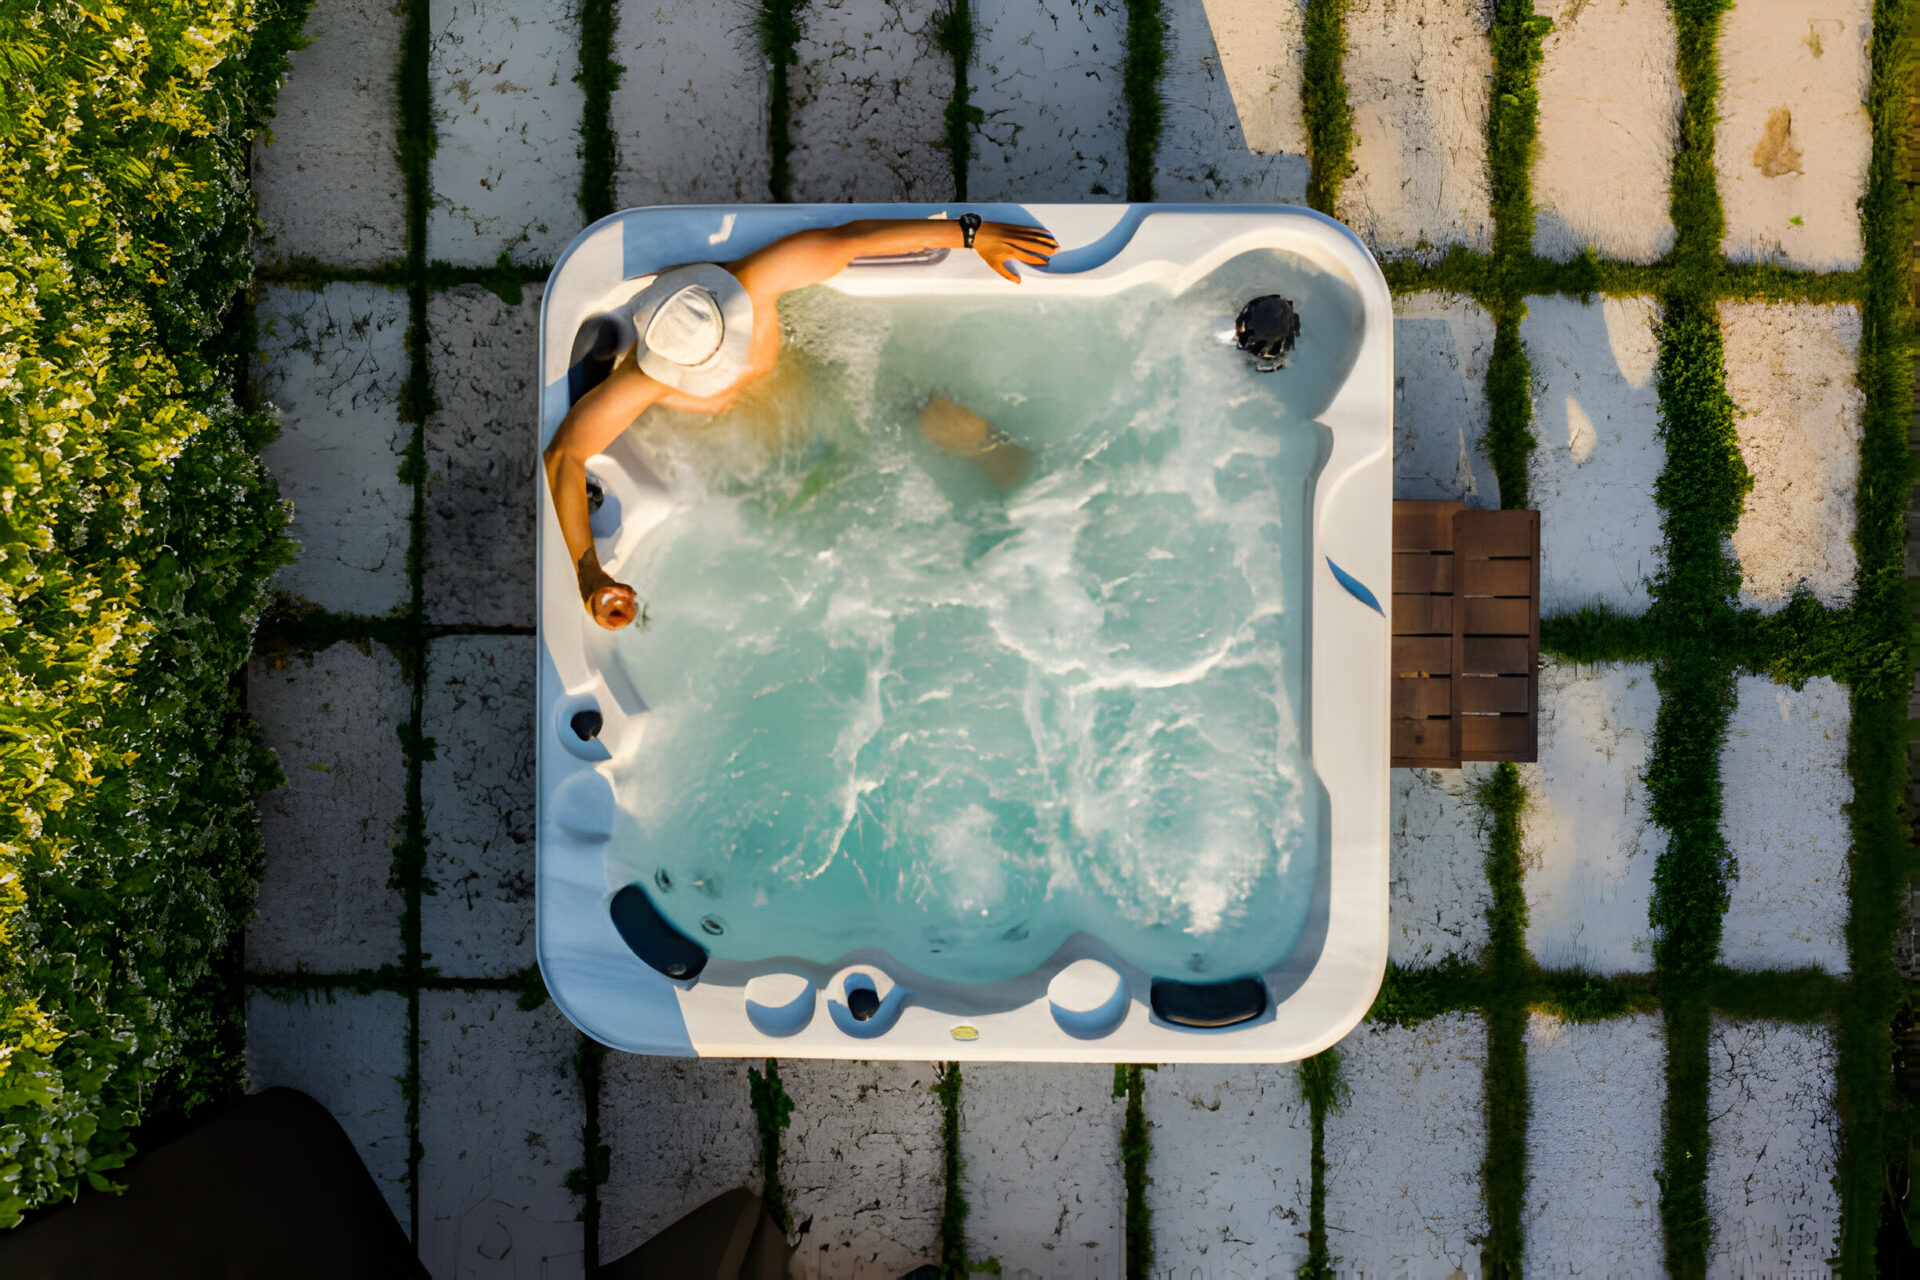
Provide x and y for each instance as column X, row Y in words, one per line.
column 1355, row 588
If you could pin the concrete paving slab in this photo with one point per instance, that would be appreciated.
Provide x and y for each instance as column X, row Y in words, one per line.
column 1403, row 1156
column 477, row 805
column 869, row 102
column 501, row 1122
column 689, row 115
column 1439, row 895
column 326, row 171
column 1417, row 74
column 1596, row 418
column 348, row 1053
column 332, row 360
column 1784, row 788
column 333, row 719
column 1442, row 343
column 863, row 1168
column 1773, row 1150
column 1791, row 370
column 1609, row 117
column 681, row 1131
column 1231, row 125
column 1589, row 843
column 1793, row 139
column 1593, row 1147
column 1230, row 1172
column 483, row 461
column 506, row 171
column 1046, row 79
column 1040, row 1168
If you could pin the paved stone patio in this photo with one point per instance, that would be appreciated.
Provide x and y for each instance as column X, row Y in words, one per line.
column 407, row 737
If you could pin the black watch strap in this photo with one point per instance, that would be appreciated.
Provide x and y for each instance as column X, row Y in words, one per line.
column 969, row 225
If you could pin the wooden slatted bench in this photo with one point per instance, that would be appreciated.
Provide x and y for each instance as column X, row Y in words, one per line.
column 1466, row 635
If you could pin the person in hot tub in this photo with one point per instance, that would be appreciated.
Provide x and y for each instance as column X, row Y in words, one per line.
column 707, row 332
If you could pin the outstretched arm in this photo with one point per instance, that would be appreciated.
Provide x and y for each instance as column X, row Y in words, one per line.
column 593, row 423
column 809, row 257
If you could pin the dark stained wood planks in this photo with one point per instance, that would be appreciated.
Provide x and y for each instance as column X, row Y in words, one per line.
column 1466, row 635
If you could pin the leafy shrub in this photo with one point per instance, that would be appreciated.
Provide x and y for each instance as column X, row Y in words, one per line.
column 137, row 531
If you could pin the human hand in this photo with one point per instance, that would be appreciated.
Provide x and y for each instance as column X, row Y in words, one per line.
column 999, row 242
column 613, row 606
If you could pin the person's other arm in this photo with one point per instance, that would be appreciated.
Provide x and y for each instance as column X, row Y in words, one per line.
column 809, row 257
column 594, row 422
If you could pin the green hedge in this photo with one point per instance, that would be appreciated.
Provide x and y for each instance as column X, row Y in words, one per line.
column 137, row 532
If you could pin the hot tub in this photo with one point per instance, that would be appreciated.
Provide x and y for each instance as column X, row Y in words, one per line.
column 908, row 764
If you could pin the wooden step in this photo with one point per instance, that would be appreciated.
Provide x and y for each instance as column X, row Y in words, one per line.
column 1466, row 634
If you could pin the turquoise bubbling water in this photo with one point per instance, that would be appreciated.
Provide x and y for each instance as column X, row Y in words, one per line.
column 893, row 707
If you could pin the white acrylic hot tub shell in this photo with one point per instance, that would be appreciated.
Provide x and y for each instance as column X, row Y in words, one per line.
column 615, row 998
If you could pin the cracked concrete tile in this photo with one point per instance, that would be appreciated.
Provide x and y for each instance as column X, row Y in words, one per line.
column 1792, row 372
column 1590, row 847
column 501, row 1122
column 690, row 112
column 1609, row 115
column 1231, row 127
column 483, row 462
column 869, row 102
column 1792, row 139
column 1596, row 420
column 1442, row 343
column 1417, row 74
column 863, row 1168
column 1046, row 78
column 1773, row 1150
column 477, row 803
column 333, row 720
column 1403, row 1157
column 681, row 1131
column 1598, row 1090
column 348, row 1053
column 1439, row 897
column 332, row 360
column 325, row 169
column 506, row 170
column 1229, row 1170
column 1784, row 789
column 1040, row 1168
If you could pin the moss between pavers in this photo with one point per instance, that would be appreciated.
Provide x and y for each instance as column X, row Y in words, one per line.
column 1146, row 59
column 953, row 1201
column 598, row 77
column 1135, row 1150
column 954, row 36
column 1323, row 1088
column 772, row 1113
column 777, row 22
column 1323, row 102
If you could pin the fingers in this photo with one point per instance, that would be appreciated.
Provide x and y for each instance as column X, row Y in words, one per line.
column 1003, row 269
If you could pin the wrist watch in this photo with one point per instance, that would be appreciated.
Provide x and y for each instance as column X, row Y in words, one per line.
column 969, row 224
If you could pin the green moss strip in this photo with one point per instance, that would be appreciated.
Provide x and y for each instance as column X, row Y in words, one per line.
column 598, row 77
column 1129, row 1082
column 954, row 36
column 1323, row 103
column 408, row 874
column 1700, row 492
column 1323, row 1087
column 1876, row 1136
column 586, row 1180
column 1503, row 1170
column 953, row 1203
column 1512, row 128
column 1683, row 1158
column 1146, row 61
column 772, row 1113
column 777, row 23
